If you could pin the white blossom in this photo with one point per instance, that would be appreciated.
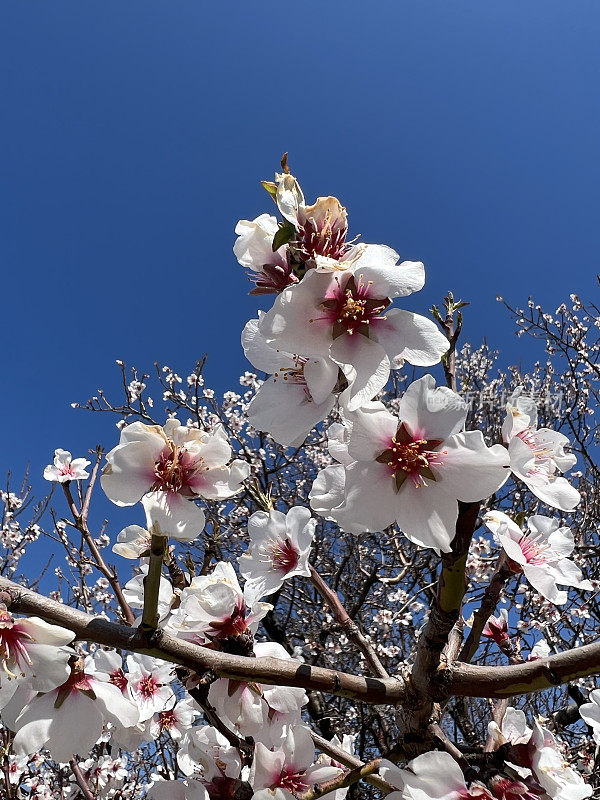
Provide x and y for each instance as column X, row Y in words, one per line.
column 65, row 468
column 169, row 468
column 33, row 654
column 540, row 553
column 340, row 317
column 411, row 469
column 590, row 713
column 69, row 719
column 279, row 549
column 298, row 394
column 536, row 455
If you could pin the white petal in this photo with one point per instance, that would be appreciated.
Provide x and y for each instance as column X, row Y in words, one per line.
column 436, row 774
column 511, row 547
column 327, row 491
column 558, row 441
column 173, row 515
column 432, row 413
column 132, row 541
column 74, row 728
column 427, row 515
column 411, row 337
column 33, row 725
column 300, row 527
column 289, row 198
column 285, row 411
column 222, row 482
column 321, row 376
column 295, row 323
column 129, row 471
column 370, row 502
column 46, row 633
column 254, row 246
column 117, row 708
column 379, row 263
column 365, row 365
column 542, row 579
column 373, row 428
column 496, row 520
column 261, row 355
column 469, row 469
column 338, row 437
column 557, row 493
column 568, row 574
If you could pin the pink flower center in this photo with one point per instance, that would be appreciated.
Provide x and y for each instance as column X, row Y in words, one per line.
column 291, row 780
column 535, row 549
column 351, row 309
column 322, row 238
column 13, row 641
column 118, row 678
column 507, row 789
column 284, row 556
column 175, row 471
column 77, row 681
column 273, row 278
column 66, row 469
column 167, row 720
column 408, row 456
column 233, row 625
column 542, row 453
column 497, row 629
column 479, row 792
column 147, row 687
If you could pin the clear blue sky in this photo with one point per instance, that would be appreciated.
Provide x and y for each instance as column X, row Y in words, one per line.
column 134, row 134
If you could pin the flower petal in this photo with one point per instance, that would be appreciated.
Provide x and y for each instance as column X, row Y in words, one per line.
column 411, row 337
column 430, row 412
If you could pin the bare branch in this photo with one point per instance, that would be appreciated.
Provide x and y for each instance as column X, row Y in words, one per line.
column 350, row 627
column 273, row 671
column 342, row 781
column 81, row 781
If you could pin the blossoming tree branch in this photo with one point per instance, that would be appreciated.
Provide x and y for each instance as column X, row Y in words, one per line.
column 374, row 571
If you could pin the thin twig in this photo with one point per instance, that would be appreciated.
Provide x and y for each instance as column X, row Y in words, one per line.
column 342, row 781
column 348, row 760
column 350, row 627
column 81, row 781
column 80, row 523
column 486, row 609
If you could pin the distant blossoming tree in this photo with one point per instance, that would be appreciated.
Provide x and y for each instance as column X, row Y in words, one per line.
column 352, row 577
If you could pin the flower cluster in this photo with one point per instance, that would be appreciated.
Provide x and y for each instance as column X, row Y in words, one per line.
column 291, row 548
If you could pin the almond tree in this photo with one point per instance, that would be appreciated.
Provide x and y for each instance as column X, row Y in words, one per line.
column 349, row 576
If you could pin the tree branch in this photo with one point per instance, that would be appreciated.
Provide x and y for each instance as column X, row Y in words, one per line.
column 532, row 676
column 348, row 760
column 81, row 781
column 448, row 602
column 80, row 520
column 415, row 719
column 350, row 627
column 486, row 609
column 272, row 671
column 342, row 781
column 455, row 679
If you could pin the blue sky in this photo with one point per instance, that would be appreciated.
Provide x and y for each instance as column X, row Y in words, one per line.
column 134, row 135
